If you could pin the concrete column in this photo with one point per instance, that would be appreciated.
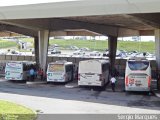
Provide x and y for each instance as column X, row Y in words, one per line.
column 112, row 46
column 36, row 49
column 43, row 48
column 157, row 42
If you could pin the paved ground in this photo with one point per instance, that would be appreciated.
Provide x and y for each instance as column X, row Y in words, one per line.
column 69, row 98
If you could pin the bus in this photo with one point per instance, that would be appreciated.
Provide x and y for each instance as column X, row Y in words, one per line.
column 17, row 70
column 60, row 71
column 93, row 72
column 138, row 75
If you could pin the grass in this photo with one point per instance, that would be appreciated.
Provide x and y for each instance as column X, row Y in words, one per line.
column 91, row 44
column 31, row 40
column 12, row 111
column 101, row 45
column 7, row 44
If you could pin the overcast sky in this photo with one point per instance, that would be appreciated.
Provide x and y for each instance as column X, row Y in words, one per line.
column 24, row 2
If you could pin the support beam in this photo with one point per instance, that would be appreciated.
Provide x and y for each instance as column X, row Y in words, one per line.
column 157, row 40
column 62, row 24
column 36, row 49
column 112, row 45
column 43, row 48
column 57, row 24
column 19, row 30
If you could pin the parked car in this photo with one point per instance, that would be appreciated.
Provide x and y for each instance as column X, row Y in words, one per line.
column 74, row 48
column 54, row 51
column 119, row 53
column 132, row 54
column 145, row 54
column 13, row 52
column 55, row 45
column 85, row 49
column 79, row 53
column 95, row 54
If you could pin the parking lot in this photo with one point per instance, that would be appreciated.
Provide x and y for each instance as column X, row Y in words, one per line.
column 69, row 98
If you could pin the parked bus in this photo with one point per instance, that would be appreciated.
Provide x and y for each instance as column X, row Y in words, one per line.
column 138, row 75
column 17, row 70
column 60, row 71
column 93, row 73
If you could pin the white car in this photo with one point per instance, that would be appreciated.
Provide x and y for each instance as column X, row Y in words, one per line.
column 54, row 51
column 95, row 54
column 78, row 53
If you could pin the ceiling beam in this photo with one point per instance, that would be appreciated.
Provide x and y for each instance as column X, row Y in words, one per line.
column 56, row 24
column 61, row 24
column 19, row 30
column 147, row 19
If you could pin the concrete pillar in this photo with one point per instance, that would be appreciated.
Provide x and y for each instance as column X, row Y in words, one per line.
column 36, row 49
column 157, row 45
column 43, row 48
column 112, row 46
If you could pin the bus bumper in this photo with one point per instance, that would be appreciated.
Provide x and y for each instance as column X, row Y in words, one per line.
column 143, row 89
column 83, row 83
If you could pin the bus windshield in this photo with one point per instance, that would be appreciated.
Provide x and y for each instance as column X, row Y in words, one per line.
column 138, row 65
column 55, row 68
column 15, row 67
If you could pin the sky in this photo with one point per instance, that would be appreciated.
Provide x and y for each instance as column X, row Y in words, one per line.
column 25, row 2
column 141, row 38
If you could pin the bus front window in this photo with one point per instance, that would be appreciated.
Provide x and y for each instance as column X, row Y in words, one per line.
column 55, row 68
column 138, row 65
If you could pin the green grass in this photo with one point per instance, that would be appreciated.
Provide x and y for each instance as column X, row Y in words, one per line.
column 92, row 44
column 7, row 44
column 27, row 40
column 12, row 111
column 101, row 45
column 139, row 46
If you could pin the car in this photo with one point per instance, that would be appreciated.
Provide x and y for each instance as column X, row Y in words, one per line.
column 119, row 53
column 74, row 48
column 145, row 54
column 55, row 45
column 95, row 54
column 13, row 52
column 132, row 54
column 78, row 53
column 84, row 49
column 106, row 54
column 54, row 51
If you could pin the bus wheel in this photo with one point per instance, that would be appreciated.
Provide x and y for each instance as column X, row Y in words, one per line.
column 149, row 93
column 103, row 88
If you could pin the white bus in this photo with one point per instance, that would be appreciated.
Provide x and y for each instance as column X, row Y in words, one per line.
column 16, row 70
column 93, row 73
column 138, row 75
column 60, row 71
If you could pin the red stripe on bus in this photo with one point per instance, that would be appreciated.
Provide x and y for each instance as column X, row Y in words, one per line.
column 149, row 81
column 127, row 80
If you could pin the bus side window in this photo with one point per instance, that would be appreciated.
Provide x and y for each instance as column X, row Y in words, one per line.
column 104, row 67
column 67, row 69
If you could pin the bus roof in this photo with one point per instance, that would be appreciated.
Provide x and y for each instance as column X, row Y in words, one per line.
column 137, row 59
column 61, row 62
column 96, row 60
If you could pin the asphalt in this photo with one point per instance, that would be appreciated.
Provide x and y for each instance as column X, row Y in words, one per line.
column 70, row 99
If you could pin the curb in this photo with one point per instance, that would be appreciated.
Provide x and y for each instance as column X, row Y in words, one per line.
column 34, row 83
column 71, row 86
column 157, row 94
